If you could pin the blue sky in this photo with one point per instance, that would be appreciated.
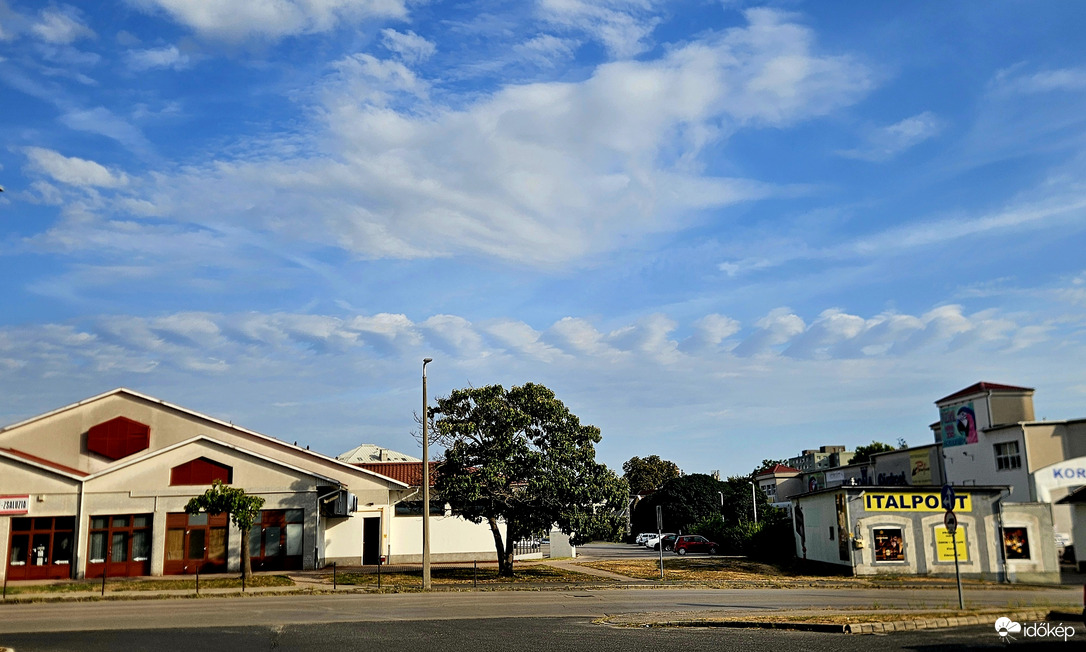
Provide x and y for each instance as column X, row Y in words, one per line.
column 720, row 231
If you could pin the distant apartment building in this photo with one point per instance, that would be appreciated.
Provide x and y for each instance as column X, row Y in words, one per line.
column 826, row 457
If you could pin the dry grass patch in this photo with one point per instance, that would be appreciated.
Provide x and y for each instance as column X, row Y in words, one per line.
column 706, row 569
column 461, row 576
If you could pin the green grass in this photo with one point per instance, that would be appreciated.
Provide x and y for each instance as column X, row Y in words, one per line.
column 187, row 583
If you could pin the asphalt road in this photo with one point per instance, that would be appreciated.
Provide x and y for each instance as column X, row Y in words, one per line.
column 569, row 634
column 271, row 611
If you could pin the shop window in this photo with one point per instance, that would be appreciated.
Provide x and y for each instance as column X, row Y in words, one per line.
column 889, row 544
column 118, row 438
column 1007, row 456
column 200, row 471
column 119, row 546
column 1015, row 543
column 414, row 508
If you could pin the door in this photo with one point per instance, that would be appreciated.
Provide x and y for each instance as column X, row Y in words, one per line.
column 40, row 548
column 275, row 542
column 371, row 540
column 195, row 543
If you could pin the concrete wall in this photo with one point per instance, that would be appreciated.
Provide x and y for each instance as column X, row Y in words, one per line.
column 451, row 539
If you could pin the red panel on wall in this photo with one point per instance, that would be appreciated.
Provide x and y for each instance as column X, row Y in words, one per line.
column 118, row 437
column 200, row 471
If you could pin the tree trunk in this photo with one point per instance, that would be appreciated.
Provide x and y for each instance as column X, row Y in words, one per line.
column 505, row 563
column 246, row 564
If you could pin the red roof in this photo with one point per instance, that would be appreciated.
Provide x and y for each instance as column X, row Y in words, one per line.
column 780, row 468
column 406, row 472
column 980, row 388
column 45, row 462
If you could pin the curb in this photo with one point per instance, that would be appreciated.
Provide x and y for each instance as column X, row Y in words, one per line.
column 869, row 628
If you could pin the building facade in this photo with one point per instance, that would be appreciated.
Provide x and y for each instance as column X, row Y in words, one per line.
column 901, row 530
column 100, row 487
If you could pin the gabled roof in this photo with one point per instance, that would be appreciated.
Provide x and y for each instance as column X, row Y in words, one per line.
column 192, row 413
column 981, row 388
column 779, row 468
column 140, row 458
column 42, row 462
column 373, row 453
column 409, row 473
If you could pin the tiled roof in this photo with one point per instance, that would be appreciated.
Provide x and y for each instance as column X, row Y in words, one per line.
column 780, row 468
column 406, row 472
column 983, row 387
column 45, row 462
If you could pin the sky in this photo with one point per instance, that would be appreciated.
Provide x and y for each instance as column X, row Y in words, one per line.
column 719, row 231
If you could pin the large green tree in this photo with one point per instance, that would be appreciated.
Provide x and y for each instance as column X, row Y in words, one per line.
column 521, row 458
column 864, row 453
column 647, row 474
column 242, row 508
column 691, row 499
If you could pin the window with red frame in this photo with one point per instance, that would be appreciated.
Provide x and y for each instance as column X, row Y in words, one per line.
column 200, row 471
column 119, row 437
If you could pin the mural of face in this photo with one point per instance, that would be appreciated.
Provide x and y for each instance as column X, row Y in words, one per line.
column 967, row 425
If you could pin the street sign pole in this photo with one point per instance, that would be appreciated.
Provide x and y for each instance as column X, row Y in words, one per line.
column 660, row 536
column 951, row 523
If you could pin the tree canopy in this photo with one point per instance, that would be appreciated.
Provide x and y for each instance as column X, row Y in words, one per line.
column 647, row 474
column 242, row 508
column 864, row 453
column 691, row 499
column 519, row 456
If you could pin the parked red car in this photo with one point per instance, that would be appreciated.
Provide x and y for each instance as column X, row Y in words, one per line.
column 694, row 543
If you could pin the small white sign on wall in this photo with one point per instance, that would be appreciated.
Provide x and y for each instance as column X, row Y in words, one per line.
column 10, row 505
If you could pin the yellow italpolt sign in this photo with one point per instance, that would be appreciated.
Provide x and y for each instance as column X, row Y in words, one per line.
column 913, row 501
column 944, row 545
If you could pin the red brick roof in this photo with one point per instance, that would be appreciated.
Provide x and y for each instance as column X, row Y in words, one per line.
column 983, row 387
column 780, row 468
column 406, row 472
column 45, row 462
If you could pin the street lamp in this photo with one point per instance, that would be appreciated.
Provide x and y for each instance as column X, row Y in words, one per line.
column 753, row 501
column 425, row 485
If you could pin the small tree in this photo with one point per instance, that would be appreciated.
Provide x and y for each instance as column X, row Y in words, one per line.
column 242, row 508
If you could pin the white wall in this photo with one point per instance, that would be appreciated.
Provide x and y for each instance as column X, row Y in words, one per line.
column 451, row 539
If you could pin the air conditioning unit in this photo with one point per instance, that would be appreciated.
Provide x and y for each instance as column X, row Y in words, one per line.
column 340, row 504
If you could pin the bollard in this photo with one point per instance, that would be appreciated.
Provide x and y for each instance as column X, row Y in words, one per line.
column 334, row 576
column 475, row 575
column 5, row 587
column 197, row 581
column 103, row 582
column 378, row 575
column 243, row 581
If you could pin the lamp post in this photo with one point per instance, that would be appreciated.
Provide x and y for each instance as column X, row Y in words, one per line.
column 425, row 484
column 753, row 501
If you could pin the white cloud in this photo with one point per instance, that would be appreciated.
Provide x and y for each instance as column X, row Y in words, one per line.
column 166, row 57
column 546, row 50
column 411, row 47
column 235, row 20
column 622, row 26
column 1014, row 80
column 61, row 25
column 887, row 142
column 775, row 329
column 104, row 122
column 72, row 170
